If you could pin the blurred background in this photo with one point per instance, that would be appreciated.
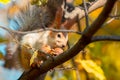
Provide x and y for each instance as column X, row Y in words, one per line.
column 98, row 61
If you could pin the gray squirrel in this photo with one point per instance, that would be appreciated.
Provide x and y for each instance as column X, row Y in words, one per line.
column 31, row 17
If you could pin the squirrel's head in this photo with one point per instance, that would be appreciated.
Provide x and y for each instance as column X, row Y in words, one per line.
column 61, row 39
column 58, row 39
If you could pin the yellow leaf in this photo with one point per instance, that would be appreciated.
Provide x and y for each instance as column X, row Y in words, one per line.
column 33, row 57
column 91, row 45
column 91, row 67
column 4, row 1
column 38, row 2
column 48, row 77
column 62, row 78
column 77, row 2
column 1, row 56
column 74, row 75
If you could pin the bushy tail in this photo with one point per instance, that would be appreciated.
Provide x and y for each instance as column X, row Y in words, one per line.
column 31, row 17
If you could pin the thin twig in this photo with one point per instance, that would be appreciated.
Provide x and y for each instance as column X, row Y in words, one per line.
column 116, row 16
column 78, row 24
column 109, row 21
column 113, row 18
column 65, row 68
column 39, row 30
column 86, row 13
column 105, row 38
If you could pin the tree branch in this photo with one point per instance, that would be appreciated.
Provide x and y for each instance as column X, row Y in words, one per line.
column 80, row 12
column 114, row 16
column 86, row 13
column 81, row 44
column 105, row 38
column 39, row 30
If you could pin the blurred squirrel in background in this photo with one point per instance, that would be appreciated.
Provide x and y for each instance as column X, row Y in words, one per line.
column 31, row 17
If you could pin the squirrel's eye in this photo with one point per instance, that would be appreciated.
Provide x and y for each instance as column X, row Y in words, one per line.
column 59, row 35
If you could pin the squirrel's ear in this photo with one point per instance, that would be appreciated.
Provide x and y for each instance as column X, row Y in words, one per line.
column 58, row 19
column 53, row 5
column 69, row 23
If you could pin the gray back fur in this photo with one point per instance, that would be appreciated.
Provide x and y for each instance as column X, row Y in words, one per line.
column 33, row 17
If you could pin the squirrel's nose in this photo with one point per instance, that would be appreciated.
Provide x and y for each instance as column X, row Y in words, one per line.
column 63, row 46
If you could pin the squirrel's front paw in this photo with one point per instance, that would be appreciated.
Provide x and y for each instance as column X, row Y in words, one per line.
column 46, row 49
column 56, row 51
column 37, row 59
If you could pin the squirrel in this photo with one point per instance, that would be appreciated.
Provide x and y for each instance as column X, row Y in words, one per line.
column 47, row 41
column 29, row 18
